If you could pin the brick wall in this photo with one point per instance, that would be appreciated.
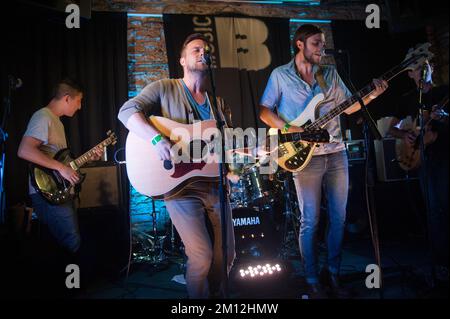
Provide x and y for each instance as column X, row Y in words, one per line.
column 147, row 59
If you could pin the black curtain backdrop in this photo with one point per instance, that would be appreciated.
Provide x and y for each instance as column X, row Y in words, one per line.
column 239, row 86
column 39, row 49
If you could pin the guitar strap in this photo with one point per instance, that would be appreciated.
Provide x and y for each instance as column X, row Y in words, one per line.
column 321, row 81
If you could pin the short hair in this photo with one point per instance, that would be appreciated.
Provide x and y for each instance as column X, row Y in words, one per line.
column 303, row 33
column 190, row 38
column 66, row 86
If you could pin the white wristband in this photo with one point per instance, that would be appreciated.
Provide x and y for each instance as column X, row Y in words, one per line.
column 372, row 97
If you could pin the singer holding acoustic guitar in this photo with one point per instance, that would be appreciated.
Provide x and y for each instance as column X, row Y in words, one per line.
column 196, row 209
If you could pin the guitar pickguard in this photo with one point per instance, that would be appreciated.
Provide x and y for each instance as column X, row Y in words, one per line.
column 181, row 169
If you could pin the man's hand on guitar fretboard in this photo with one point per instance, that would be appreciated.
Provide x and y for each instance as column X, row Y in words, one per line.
column 97, row 155
column 438, row 114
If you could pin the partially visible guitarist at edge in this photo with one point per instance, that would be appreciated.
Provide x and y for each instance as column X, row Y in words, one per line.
column 436, row 152
column 289, row 89
column 185, row 100
column 43, row 138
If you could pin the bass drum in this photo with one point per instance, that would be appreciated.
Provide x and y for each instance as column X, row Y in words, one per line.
column 256, row 234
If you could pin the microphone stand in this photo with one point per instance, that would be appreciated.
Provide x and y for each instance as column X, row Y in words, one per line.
column 369, row 125
column 222, row 186
column 423, row 160
column 3, row 137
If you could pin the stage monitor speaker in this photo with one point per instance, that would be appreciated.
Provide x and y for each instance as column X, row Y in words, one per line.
column 388, row 169
column 101, row 186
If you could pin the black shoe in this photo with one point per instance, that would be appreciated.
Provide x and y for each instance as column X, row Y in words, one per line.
column 316, row 291
column 332, row 281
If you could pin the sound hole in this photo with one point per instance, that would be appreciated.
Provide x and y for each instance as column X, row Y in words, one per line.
column 168, row 165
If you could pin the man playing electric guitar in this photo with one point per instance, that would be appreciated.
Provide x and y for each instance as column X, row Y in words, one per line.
column 43, row 138
column 436, row 155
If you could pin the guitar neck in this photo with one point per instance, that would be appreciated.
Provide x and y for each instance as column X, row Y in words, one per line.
column 290, row 137
column 83, row 159
column 389, row 75
column 319, row 136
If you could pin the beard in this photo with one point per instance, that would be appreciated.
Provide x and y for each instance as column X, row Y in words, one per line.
column 196, row 68
column 310, row 58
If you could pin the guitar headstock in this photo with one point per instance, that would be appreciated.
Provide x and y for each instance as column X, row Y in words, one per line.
column 112, row 138
column 417, row 56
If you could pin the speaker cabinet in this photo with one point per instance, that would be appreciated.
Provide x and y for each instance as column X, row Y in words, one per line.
column 101, row 186
column 103, row 219
column 388, row 169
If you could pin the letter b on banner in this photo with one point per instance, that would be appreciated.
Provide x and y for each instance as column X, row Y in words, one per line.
column 241, row 43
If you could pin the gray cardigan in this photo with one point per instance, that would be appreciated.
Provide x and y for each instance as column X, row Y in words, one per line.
column 167, row 98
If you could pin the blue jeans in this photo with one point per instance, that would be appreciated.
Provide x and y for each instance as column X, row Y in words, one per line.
column 331, row 172
column 61, row 221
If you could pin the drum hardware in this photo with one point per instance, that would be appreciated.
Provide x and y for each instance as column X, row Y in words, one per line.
column 253, row 189
column 291, row 221
column 149, row 247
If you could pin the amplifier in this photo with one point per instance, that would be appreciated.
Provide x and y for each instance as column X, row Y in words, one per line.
column 101, row 186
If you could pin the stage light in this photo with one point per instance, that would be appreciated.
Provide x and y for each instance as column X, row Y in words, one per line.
column 255, row 270
column 310, row 21
column 145, row 15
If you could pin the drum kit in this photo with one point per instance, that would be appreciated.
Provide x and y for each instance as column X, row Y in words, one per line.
column 265, row 211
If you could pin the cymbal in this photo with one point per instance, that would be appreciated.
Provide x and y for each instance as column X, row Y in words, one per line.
column 245, row 151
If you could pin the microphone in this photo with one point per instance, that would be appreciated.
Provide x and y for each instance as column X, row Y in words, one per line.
column 333, row 51
column 14, row 83
column 206, row 58
column 425, row 71
column 423, row 75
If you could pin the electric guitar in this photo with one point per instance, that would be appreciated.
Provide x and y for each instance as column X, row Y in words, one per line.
column 195, row 157
column 295, row 156
column 408, row 155
column 51, row 185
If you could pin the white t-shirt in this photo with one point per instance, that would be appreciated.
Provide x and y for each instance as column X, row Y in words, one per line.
column 48, row 128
